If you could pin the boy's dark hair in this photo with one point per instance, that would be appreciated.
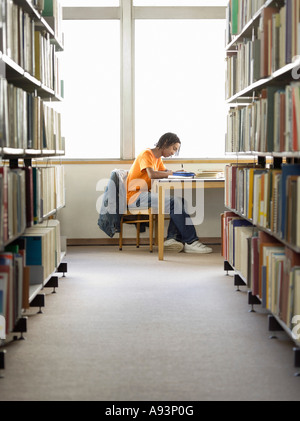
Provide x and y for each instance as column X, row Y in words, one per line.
column 168, row 139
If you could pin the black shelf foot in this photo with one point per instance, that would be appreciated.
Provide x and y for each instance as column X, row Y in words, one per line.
column 62, row 268
column 238, row 281
column 21, row 327
column 38, row 301
column 273, row 326
column 252, row 300
column 2, row 363
column 227, row 267
column 297, row 360
column 52, row 283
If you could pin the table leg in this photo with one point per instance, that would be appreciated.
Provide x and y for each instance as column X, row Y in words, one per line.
column 161, row 223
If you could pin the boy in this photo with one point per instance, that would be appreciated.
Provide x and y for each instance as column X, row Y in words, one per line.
column 149, row 166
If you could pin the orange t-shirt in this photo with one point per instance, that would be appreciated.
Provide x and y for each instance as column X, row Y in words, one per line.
column 138, row 180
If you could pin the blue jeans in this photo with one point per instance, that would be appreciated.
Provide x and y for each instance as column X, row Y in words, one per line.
column 181, row 227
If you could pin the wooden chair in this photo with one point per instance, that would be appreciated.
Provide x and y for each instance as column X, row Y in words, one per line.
column 134, row 216
column 138, row 217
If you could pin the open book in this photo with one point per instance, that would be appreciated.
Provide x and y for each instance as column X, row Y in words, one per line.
column 209, row 174
column 182, row 174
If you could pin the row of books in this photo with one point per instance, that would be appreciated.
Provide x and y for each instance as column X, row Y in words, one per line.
column 46, row 62
column 30, row 260
column 28, row 47
column 269, row 198
column 269, row 124
column 51, row 191
column 26, row 122
column 13, row 203
column 209, row 174
column 27, row 195
column 276, row 44
column 52, row 128
column 270, row 269
column 52, row 12
column 38, row 4
column 14, row 286
column 43, row 250
column 238, row 14
column 16, row 35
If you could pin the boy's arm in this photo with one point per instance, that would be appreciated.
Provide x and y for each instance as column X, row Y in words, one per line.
column 152, row 174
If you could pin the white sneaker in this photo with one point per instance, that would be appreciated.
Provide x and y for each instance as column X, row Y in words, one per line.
column 173, row 245
column 197, row 247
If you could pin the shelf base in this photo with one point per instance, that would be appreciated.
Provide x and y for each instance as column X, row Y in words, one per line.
column 38, row 301
column 238, row 281
column 62, row 268
column 253, row 300
column 2, row 363
column 21, row 327
column 273, row 326
column 297, row 360
column 52, row 283
column 227, row 267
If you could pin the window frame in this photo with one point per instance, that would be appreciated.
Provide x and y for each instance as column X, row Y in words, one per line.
column 127, row 14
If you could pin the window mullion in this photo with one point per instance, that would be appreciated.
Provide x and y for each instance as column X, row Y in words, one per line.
column 179, row 12
column 91, row 13
column 127, row 81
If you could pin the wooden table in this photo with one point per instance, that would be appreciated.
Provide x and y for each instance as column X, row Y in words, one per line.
column 162, row 185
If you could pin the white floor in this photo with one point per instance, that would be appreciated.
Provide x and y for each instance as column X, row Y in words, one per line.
column 125, row 326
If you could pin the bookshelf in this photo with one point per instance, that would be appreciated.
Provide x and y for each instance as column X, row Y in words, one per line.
column 261, row 226
column 31, row 188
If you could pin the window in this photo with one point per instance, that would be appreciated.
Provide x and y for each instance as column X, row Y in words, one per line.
column 180, row 84
column 91, row 106
column 178, row 75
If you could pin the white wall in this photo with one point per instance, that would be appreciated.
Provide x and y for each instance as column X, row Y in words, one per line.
column 79, row 217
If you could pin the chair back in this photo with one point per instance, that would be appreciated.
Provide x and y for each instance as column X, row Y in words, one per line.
column 114, row 202
column 121, row 188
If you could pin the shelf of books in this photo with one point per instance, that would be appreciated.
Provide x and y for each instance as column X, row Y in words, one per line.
column 261, row 228
column 31, row 187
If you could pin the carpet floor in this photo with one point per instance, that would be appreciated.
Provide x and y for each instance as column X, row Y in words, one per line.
column 124, row 326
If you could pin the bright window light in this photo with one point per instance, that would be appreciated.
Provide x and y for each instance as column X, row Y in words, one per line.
column 91, row 106
column 180, row 85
